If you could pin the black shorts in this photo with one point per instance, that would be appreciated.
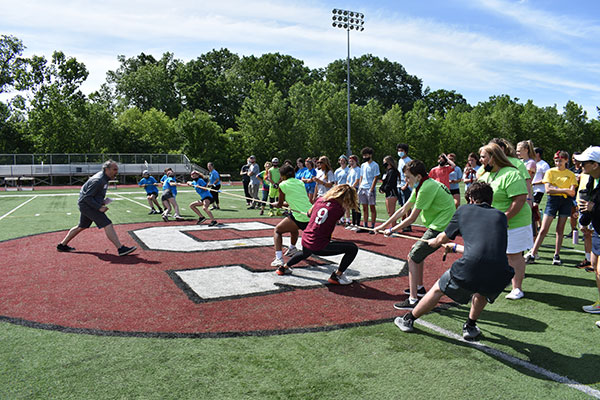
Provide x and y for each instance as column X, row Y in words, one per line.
column 391, row 193
column 455, row 191
column 153, row 194
column 167, row 194
column 300, row 225
column 210, row 199
column 537, row 197
column 89, row 215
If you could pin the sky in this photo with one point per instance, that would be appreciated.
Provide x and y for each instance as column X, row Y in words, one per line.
column 544, row 50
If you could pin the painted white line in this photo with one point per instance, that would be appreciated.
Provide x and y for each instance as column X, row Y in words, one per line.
column 514, row 360
column 16, row 208
column 133, row 201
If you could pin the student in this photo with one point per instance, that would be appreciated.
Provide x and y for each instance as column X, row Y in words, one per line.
column 291, row 191
column 433, row 201
column 93, row 207
column 214, row 181
column 149, row 184
column 246, row 181
column 510, row 196
column 442, row 171
column 369, row 173
column 169, row 196
column 482, row 273
column 341, row 177
column 265, row 186
column 307, row 178
column 325, row 178
column 353, row 180
column 404, row 190
column 205, row 201
column 273, row 178
column 538, row 186
column 389, row 184
column 454, row 179
column 589, row 207
column 253, row 186
column 471, row 169
column 316, row 238
column 561, row 186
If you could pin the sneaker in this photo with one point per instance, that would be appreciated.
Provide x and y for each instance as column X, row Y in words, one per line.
column 569, row 235
column 470, row 332
column 349, row 227
column 593, row 309
column 515, row 294
column 420, row 291
column 283, row 271
column 262, row 212
column 64, row 248
column 291, row 251
column 583, row 264
column 277, row 262
column 354, row 228
column 405, row 325
column 165, row 217
column 179, row 218
column 153, row 211
column 361, row 230
column 213, row 223
column 556, row 260
column 334, row 279
column 251, row 208
column 405, row 305
column 124, row 250
column 371, row 232
column 407, row 229
column 200, row 220
column 530, row 258
column 271, row 214
column 598, row 324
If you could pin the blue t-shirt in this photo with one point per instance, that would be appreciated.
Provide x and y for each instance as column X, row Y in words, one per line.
column 204, row 193
column 150, row 181
column 214, row 177
column 454, row 175
column 401, row 163
column 169, row 183
column 309, row 173
column 163, row 178
column 300, row 173
column 341, row 175
column 368, row 172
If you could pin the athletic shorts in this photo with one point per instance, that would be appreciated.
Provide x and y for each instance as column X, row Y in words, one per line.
column 537, row 197
column 89, row 215
column 455, row 191
column 519, row 239
column 365, row 196
column 595, row 243
column 391, row 193
column 210, row 199
column 265, row 195
column 452, row 289
column 299, row 224
column 155, row 194
column 420, row 250
column 558, row 205
column 404, row 195
column 167, row 194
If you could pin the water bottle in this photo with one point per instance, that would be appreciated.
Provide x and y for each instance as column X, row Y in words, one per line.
column 575, row 237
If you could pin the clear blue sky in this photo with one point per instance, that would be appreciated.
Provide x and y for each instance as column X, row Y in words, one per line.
column 544, row 50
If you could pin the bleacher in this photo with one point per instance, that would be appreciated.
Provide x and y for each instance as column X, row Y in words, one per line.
column 44, row 168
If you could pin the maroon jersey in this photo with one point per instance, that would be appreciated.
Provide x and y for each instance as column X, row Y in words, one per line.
column 325, row 214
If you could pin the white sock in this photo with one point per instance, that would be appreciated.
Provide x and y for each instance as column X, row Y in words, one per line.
column 292, row 247
column 279, row 255
column 412, row 301
column 588, row 256
column 420, row 286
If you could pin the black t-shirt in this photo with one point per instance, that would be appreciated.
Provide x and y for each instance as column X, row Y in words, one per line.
column 245, row 178
column 483, row 268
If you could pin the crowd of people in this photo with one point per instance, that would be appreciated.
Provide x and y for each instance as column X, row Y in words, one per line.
column 501, row 224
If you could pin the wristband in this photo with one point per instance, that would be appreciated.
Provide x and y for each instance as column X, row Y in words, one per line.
column 454, row 248
column 389, row 231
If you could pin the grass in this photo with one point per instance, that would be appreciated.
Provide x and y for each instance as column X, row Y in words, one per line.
column 546, row 328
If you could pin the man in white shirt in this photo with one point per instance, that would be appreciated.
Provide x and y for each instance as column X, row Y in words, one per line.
column 538, row 187
column 404, row 190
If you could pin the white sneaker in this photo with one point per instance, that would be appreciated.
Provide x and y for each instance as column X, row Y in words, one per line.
column 530, row 258
column 291, row 251
column 277, row 262
column 349, row 227
column 515, row 294
column 354, row 228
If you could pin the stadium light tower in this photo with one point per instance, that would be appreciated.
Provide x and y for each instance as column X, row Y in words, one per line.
column 348, row 20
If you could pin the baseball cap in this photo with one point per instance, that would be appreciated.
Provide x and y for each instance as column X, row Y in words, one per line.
column 592, row 153
column 343, row 156
column 252, row 157
column 145, row 172
column 275, row 160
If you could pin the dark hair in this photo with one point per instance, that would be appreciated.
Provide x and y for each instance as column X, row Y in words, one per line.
column 476, row 157
column 479, row 192
column 353, row 157
column 299, row 160
column 366, row 150
column 287, row 171
column 539, row 151
column 416, row 167
column 403, row 146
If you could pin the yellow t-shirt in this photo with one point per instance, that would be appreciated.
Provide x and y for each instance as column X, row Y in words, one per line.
column 561, row 179
column 583, row 181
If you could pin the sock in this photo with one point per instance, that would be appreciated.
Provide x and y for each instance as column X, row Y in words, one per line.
column 471, row 322
column 588, row 256
column 420, row 286
column 412, row 301
column 279, row 254
column 292, row 247
column 409, row 316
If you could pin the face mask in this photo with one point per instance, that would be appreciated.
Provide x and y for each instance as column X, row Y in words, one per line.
column 385, row 165
column 416, row 185
column 487, row 168
column 441, row 163
column 401, row 154
column 367, row 158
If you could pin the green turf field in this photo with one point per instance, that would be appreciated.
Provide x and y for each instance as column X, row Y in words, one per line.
column 547, row 329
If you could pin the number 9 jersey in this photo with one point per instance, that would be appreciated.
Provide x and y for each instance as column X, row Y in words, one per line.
column 324, row 216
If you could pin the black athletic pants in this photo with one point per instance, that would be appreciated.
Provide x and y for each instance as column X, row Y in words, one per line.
column 215, row 194
column 356, row 215
column 348, row 249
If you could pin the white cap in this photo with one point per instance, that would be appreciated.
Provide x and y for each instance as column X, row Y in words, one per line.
column 275, row 160
column 145, row 172
column 592, row 153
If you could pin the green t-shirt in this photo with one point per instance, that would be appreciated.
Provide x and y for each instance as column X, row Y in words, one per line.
column 275, row 176
column 436, row 204
column 520, row 165
column 507, row 183
column 296, row 197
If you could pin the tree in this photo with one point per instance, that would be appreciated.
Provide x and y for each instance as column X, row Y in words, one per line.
column 443, row 101
column 13, row 68
column 151, row 131
column 374, row 79
column 202, row 138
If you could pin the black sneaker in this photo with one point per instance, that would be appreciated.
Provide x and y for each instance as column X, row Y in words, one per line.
column 64, row 248
column 200, row 220
column 213, row 223
column 556, row 260
column 405, row 305
column 152, row 212
column 124, row 250
column 420, row 291
column 583, row 264
column 470, row 332
column 405, row 324
column 361, row 230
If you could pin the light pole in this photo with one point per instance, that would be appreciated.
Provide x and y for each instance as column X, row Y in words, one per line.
column 348, row 20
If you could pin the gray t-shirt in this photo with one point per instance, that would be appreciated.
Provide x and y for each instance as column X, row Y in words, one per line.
column 92, row 192
column 253, row 168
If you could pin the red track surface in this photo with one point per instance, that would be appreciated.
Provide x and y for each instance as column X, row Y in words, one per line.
column 96, row 291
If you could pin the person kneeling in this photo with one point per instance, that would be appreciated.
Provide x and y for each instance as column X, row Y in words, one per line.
column 482, row 273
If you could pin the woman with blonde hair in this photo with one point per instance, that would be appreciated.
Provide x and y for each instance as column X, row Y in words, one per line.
column 316, row 238
column 526, row 152
column 510, row 196
column 325, row 178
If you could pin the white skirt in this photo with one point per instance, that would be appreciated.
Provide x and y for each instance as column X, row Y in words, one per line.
column 519, row 239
